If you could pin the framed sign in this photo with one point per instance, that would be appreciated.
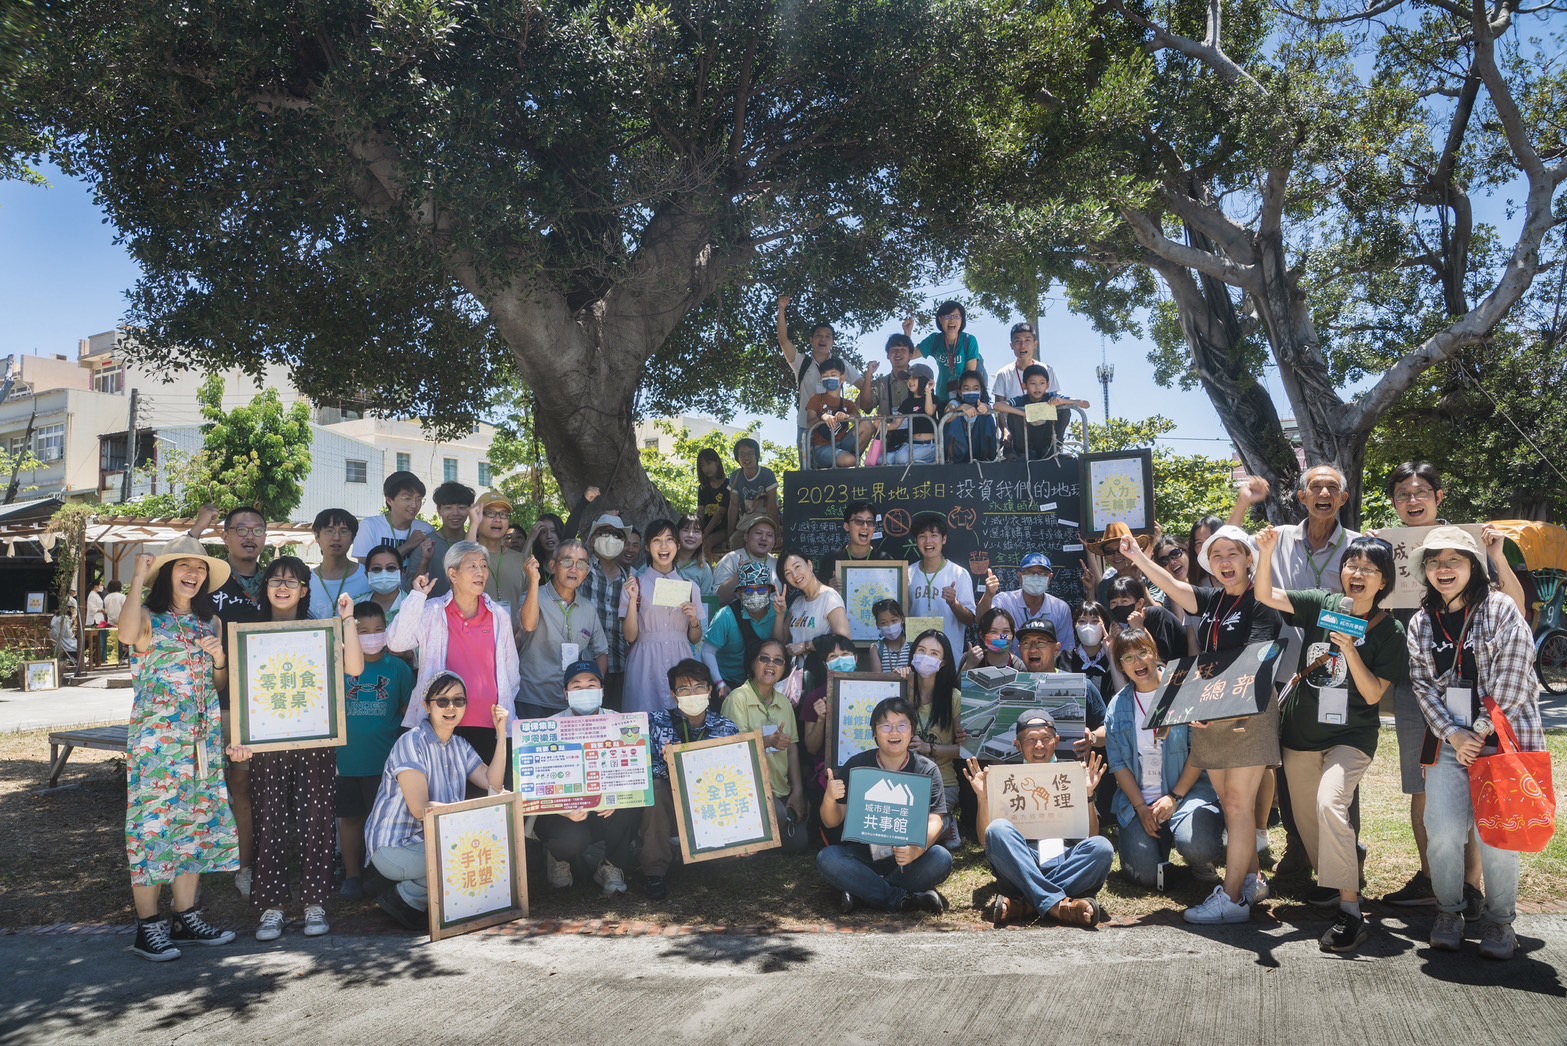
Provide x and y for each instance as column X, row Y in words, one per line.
column 40, row 675
column 866, row 583
column 35, row 602
column 286, row 684
column 1409, row 581
column 1044, row 800
column 476, row 865
column 851, row 697
column 993, row 698
column 723, row 797
column 589, row 762
column 1118, row 488
column 887, row 808
column 1221, row 684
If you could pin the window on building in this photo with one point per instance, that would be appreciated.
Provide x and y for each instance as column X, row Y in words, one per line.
column 49, row 442
column 404, row 463
column 109, row 379
column 484, row 473
column 449, row 469
column 356, row 472
column 651, row 443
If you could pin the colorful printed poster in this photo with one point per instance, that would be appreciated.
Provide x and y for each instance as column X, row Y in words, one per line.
column 851, row 698
column 993, row 698
column 591, row 762
column 864, row 585
column 1118, row 488
column 1044, row 800
column 887, row 808
column 723, row 798
column 288, row 686
column 474, row 856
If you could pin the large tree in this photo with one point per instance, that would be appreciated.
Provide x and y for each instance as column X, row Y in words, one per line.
column 1303, row 183
column 409, row 202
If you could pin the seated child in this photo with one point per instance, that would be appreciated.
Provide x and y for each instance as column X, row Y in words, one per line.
column 974, row 439
column 913, row 440
column 1035, row 440
column 834, row 441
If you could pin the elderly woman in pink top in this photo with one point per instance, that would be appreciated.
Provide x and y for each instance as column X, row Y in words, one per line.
column 466, row 632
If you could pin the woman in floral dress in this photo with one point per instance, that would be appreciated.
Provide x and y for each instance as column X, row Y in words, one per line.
column 177, row 820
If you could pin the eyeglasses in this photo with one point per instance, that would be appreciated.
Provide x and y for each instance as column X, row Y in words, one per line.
column 893, row 728
column 449, row 702
column 1170, row 557
column 336, row 532
column 756, row 590
column 862, row 521
column 1137, row 657
column 693, row 691
column 764, row 659
column 572, row 564
column 1360, row 568
column 247, row 532
column 496, row 514
column 288, row 583
column 1404, row 497
column 998, row 632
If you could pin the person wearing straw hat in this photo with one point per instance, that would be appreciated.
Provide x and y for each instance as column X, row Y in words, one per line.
column 178, row 823
column 1108, row 550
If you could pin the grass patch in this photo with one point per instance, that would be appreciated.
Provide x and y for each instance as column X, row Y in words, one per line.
column 65, row 862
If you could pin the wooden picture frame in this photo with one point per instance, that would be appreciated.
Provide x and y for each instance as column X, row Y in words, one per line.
column 741, row 754
column 463, row 844
column 40, row 675
column 866, row 582
column 1118, row 488
column 860, row 692
column 299, row 662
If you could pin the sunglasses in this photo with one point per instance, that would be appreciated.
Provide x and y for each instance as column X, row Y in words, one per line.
column 770, row 660
column 449, row 702
column 1171, row 557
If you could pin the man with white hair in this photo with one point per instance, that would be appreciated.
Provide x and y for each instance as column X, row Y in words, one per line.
column 1309, row 553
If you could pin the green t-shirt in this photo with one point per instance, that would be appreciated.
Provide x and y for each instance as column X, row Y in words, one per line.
column 1382, row 650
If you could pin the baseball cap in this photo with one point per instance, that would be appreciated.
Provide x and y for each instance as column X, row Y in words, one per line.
column 494, row 497
column 577, row 668
column 1039, row 624
column 1035, row 559
column 1033, row 719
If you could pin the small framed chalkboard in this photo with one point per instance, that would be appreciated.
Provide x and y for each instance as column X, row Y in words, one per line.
column 1221, row 684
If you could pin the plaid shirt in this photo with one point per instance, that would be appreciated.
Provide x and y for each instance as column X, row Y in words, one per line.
column 1504, row 662
column 662, row 731
column 604, row 594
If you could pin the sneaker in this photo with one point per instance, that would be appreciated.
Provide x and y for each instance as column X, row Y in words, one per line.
column 192, row 928
column 1348, row 933
column 1498, row 941
column 1255, row 889
column 407, row 916
column 1218, row 908
column 610, row 878
column 242, row 882
column 1322, row 897
column 1416, row 893
column 928, row 901
column 655, row 887
column 1294, row 862
column 846, row 903
column 1262, row 840
column 1447, row 933
column 152, row 941
column 352, row 889
column 315, row 921
column 271, row 927
column 559, row 872
column 1474, row 904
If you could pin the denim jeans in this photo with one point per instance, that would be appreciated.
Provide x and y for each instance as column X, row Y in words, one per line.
column 1080, row 872
column 980, row 431
column 923, row 454
column 1196, row 831
column 881, row 884
column 1449, row 816
column 405, row 866
column 826, row 456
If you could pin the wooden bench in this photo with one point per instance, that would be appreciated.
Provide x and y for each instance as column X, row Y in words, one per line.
column 103, row 738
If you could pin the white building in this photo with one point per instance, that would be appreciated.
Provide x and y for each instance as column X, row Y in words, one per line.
column 651, row 436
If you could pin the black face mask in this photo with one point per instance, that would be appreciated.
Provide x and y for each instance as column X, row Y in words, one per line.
column 1121, row 614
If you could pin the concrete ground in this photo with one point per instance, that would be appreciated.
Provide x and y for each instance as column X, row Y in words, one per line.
column 1263, row 982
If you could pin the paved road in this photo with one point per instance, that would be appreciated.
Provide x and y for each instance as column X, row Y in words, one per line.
column 1263, row 982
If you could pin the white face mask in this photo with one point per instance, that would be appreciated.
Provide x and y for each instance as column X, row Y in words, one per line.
column 1035, row 585
column 609, row 547
column 585, row 702
column 373, row 642
column 925, row 664
column 692, row 704
column 1090, row 635
column 892, row 631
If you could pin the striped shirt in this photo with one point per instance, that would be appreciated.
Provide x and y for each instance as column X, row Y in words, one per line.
column 604, row 593
column 1504, row 663
column 445, row 769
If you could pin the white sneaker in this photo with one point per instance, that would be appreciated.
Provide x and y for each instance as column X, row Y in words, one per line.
column 559, row 872
column 315, row 921
column 271, row 927
column 242, row 882
column 610, row 878
column 1262, row 840
column 1255, row 889
column 1218, row 908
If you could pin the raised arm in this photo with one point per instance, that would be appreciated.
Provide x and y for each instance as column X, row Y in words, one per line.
column 353, row 653
column 1268, row 593
column 1253, row 491
column 1184, row 595
column 789, row 351
column 133, row 628
column 1507, row 581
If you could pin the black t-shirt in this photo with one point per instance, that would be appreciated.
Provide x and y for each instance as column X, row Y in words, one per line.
column 826, row 566
column 711, row 501
column 1226, row 622
column 1096, row 669
column 1168, row 635
column 917, row 764
column 234, row 606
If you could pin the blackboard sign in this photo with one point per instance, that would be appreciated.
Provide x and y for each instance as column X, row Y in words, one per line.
column 1218, row 685
column 1008, row 509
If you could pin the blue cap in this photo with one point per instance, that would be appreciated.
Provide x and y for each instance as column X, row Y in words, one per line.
column 576, row 668
column 1036, row 559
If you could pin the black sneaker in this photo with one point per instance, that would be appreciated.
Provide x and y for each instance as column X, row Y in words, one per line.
column 407, row 916
column 1348, row 933
column 1474, row 904
column 846, row 903
column 152, row 941
column 192, row 928
column 1322, row 897
column 928, row 901
column 655, row 887
column 1294, row 862
column 1416, row 893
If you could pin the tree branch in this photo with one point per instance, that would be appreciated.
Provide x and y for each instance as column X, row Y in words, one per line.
column 1207, row 51
column 1153, row 238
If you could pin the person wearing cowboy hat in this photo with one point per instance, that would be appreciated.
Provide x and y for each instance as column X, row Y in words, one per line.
column 758, row 535
column 1108, row 549
column 178, row 823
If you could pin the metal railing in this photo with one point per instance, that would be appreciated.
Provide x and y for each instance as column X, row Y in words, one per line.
column 877, row 425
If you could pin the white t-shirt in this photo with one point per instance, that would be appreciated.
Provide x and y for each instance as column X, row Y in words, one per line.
column 1007, row 385
column 1150, row 752
column 375, row 531
column 925, row 599
column 113, row 603
column 323, row 594
column 808, row 617
column 729, row 567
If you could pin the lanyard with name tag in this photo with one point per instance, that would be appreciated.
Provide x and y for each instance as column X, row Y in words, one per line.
column 1333, row 705
column 1460, row 703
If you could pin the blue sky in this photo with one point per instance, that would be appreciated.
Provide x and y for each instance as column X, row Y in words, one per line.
column 63, row 278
